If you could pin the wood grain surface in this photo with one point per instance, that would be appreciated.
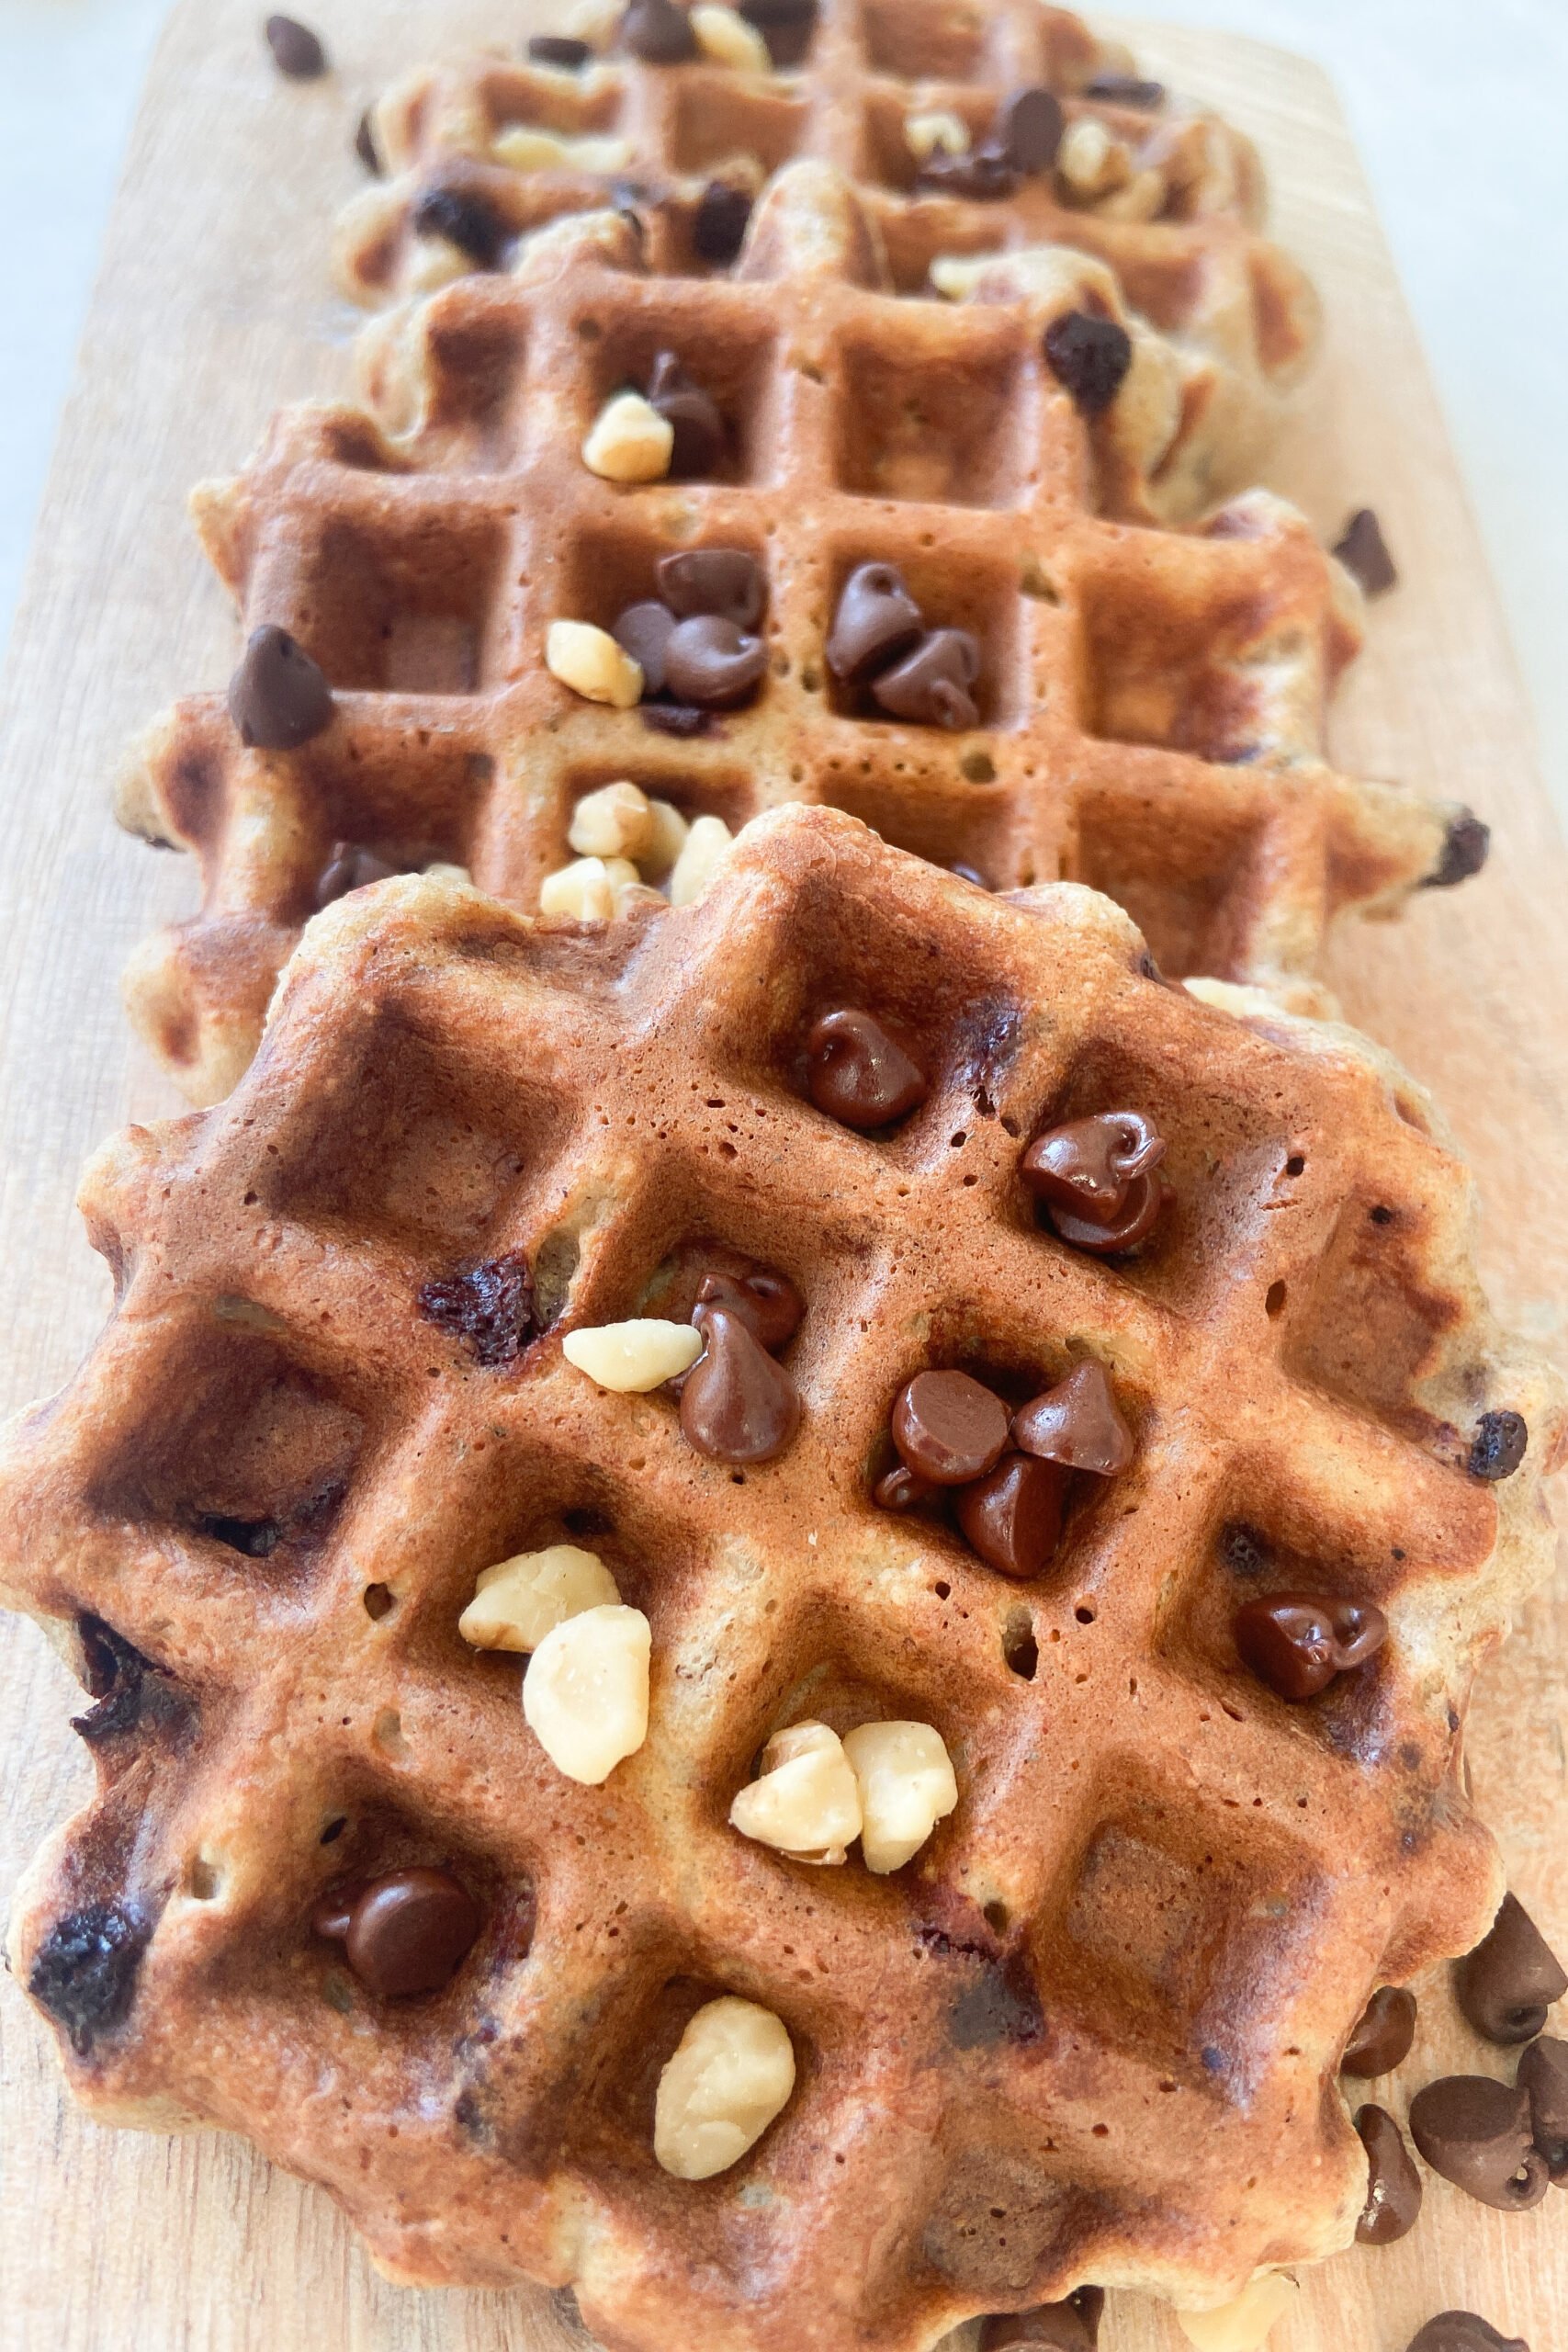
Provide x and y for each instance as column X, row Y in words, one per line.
column 213, row 307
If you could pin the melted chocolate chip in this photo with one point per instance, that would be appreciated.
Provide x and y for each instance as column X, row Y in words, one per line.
column 768, row 1303
column 1476, row 2132
column 559, row 49
column 1543, row 2076
column 643, row 631
column 1383, row 2034
column 489, row 1307
column 859, row 1073
column 736, row 1404
column 1394, row 2185
column 719, row 223
column 930, row 684
column 785, row 25
column 725, row 581
column 1463, row 2332
column 1029, row 129
column 983, row 175
column 1077, row 1423
column 1507, row 1985
column 84, row 1972
column 900, row 1490
column 948, row 1427
column 1465, row 850
column 1499, row 1445
column 712, row 664
column 694, row 418
column 675, row 718
column 657, row 33
column 1012, row 1517
column 365, row 145
column 296, row 49
column 1362, row 550
column 465, row 220
column 1297, row 1642
column 408, row 1932
column 349, row 867
column 278, row 698
column 1126, row 90
column 1072, row 2327
column 1089, row 358
column 1096, row 1180
column 877, row 620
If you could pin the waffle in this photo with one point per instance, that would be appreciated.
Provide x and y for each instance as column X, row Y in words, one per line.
column 1091, row 2033
column 1151, row 702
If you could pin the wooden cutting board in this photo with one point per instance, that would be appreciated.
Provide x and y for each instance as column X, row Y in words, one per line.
column 213, row 307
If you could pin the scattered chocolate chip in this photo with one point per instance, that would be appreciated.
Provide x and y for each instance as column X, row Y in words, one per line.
column 349, row 867
column 723, row 581
column 1029, row 129
column 1476, row 2132
column 657, row 33
column 278, row 698
column 1394, row 2185
column 1463, row 2332
column 1095, row 1178
column 1077, row 1423
column 675, row 718
column 719, row 223
column 1089, row 357
column 931, row 685
column 1499, row 1445
column 465, row 220
column 694, row 418
column 860, row 1074
column 559, row 49
column 643, row 631
column 1124, row 90
column 1543, row 2075
column 1362, row 550
column 406, row 1933
column 768, row 1303
column 1465, row 850
column 1072, row 2327
column 295, row 51
column 713, row 664
column 785, row 25
column 949, row 1428
column 900, row 1490
column 488, row 1306
column 1012, row 1516
column 982, row 175
column 1297, row 1642
column 736, row 1404
column 365, row 145
column 1383, row 2034
column 1507, row 1985
column 1243, row 1549
column 876, row 621
column 84, row 1972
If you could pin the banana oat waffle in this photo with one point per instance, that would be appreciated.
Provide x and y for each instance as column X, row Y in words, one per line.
column 1001, row 1473
column 900, row 556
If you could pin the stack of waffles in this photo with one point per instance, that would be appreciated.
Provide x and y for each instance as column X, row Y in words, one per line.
column 781, row 1538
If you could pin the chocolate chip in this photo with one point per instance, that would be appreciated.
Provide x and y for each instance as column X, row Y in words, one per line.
column 1507, row 1985
column 1499, row 1445
column 295, row 51
column 1095, row 1178
column 719, row 223
column 349, row 867
column 725, row 582
column 694, row 418
column 365, row 145
column 900, row 1490
column 1543, row 2075
column 1072, row 2327
column 643, row 631
column 1466, row 848
column 736, row 1404
column 860, row 1074
column 1012, row 1517
column 559, row 49
column 278, row 698
column 657, row 33
column 1297, row 1642
column 1028, row 128
column 84, row 1972
column 465, row 220
column 785, row 25
column 1463, row 2332
column 1362, row 551
column 406, row 1933
column 1089, row 357
column 949, row 1428
column 712, row 663
column 983, row 175
column 1126, row 90
column 1476, row 2132
column 488, row 1306
column 931, row 685
column 1077, row 1423
column 1394, row 2185
column 877, row 620
column 675, row 718
column 1383, row 2034
column 768, row 1303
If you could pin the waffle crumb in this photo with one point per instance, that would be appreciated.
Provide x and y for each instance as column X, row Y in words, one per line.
column 585, row 1694
column 1244, row 2325
column 907, row 1785
column 707, row 844
column 632, row 1358
column 727, row 39
column 589, row 661
column 804, row 1802
column 614, row 821
column 629, row 442
column 730, row 2076
column 518, row 1602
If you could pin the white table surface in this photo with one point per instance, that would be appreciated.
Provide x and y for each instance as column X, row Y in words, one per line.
column 1457, row 104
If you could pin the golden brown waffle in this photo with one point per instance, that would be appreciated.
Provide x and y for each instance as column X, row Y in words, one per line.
column 1152, row 703
column 1091, row 2034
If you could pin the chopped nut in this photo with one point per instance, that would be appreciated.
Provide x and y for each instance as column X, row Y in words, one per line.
column 733, row 2073
column 598, row 158
column 938, row 133
column 1244, row 2325
column 630, row 441
column 594, row 21
column 441, row 870
column 633, row 1358
column 614, row 821
column 667, row 837
column 1091, row 161
column 589, row 661
column 434, row 262
column 523, row 148
column 906, row 1786
column 806, row 1801
column 585, row 1693
column 584, row 891
column 706, row 845
column 520, row 1601
column 1142, row 198
column 729, row 40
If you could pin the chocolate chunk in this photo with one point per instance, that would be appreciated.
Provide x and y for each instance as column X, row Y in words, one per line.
column 949, row 1428
column 931, row 685
column 1012, row 1516
column 559, row 49
column 657, row 33
column 1077, row 1423
column 1499, row 1445
column 365, row 145
column 1394, row 2185
column 675, row 718
column 278, row 698
column 1383, row 2035
column 406, row 1933
column 785, row 25
column 1476, row 2132
column 983, row 175
column 694, row 418
column 713, row 664
column 1297, row 1642
column 1124, row 90
column 1362, row 551
column 719, row 223
column 1543, row 2074
column 465, row 220
column 1463, row 2332
column 900, row 1490
column 736, row 1404
column 1095, row 1178
column 1029, row 129
column 643, row 631
column 725, row 582
column 349, row 867
column 84, row 1972
column 295, row 51
column 877, row 620
column 488, row 1306
column 859, row 1073
column 1072, row 2327
column 768, row 1303
column 1507, row 1985
column 1089, row 357
column 1465, row 850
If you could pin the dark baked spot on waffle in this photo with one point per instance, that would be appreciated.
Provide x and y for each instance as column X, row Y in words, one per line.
column 84, row 1972
column 129, row 1692
column 1000, row 2224
column 489, row 1307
